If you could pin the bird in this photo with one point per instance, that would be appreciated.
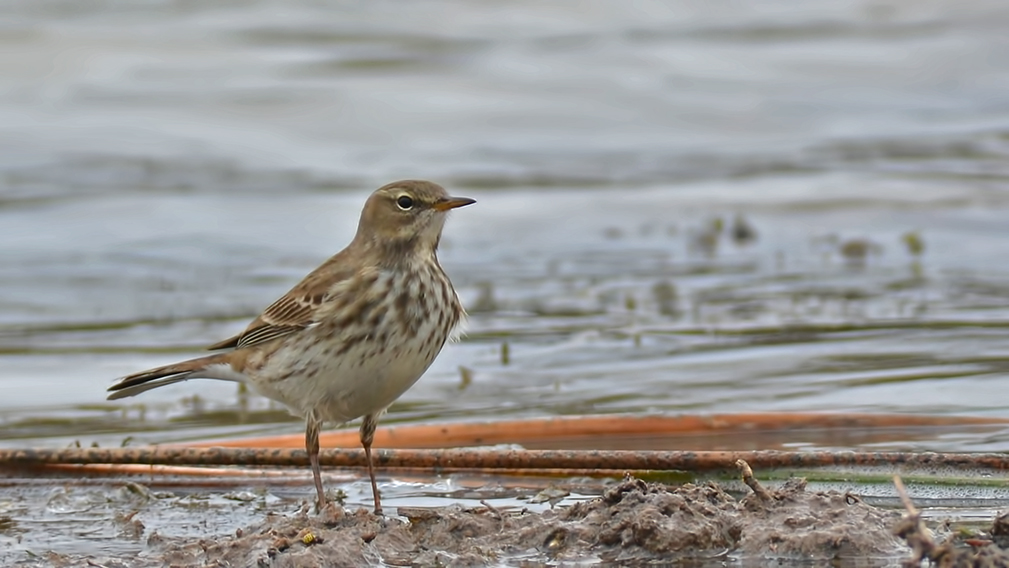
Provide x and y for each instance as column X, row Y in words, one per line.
column 354, row 334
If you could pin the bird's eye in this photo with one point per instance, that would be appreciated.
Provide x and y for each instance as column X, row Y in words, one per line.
column 405, row 202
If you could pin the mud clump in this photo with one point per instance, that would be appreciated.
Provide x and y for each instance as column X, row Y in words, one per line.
column 631, row 521
column 636, row 520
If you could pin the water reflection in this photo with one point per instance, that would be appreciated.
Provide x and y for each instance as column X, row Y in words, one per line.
column 680, row 208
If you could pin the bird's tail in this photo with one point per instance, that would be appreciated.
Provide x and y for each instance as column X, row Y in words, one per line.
column 209, row 367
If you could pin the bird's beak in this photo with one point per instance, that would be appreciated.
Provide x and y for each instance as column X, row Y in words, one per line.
column 452, row 203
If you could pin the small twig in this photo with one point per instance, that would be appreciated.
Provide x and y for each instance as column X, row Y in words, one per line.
column 491, row 509
column 912, row 530
column 502, row 519
column 904, row 498
column 751, row 482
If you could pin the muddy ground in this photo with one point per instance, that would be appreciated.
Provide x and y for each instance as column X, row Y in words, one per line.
column 631, row 523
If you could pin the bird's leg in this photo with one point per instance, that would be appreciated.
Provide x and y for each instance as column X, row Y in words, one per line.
column 313, row 424
column 367, row 435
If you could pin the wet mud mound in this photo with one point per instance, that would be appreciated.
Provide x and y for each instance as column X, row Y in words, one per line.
column 632, row 521
column 636, row 520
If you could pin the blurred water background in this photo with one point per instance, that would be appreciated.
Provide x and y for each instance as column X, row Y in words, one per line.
column 683, row 207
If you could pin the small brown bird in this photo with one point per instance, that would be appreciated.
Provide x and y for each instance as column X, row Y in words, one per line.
column 355, row 334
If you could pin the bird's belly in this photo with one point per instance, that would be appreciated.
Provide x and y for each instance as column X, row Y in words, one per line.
column 341, row 378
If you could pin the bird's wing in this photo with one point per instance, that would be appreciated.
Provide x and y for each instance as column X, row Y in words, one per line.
column 294, row 311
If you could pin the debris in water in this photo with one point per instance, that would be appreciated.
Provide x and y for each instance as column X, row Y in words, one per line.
column 743, row 232
column 955, row 552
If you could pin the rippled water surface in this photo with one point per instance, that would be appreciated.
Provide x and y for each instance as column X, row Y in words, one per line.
column 683, row 207
column 172, row 168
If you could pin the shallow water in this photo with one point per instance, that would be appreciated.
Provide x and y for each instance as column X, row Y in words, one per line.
column 170, row 168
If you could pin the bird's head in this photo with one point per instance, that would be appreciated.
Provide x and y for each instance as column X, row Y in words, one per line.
column 406, row 216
